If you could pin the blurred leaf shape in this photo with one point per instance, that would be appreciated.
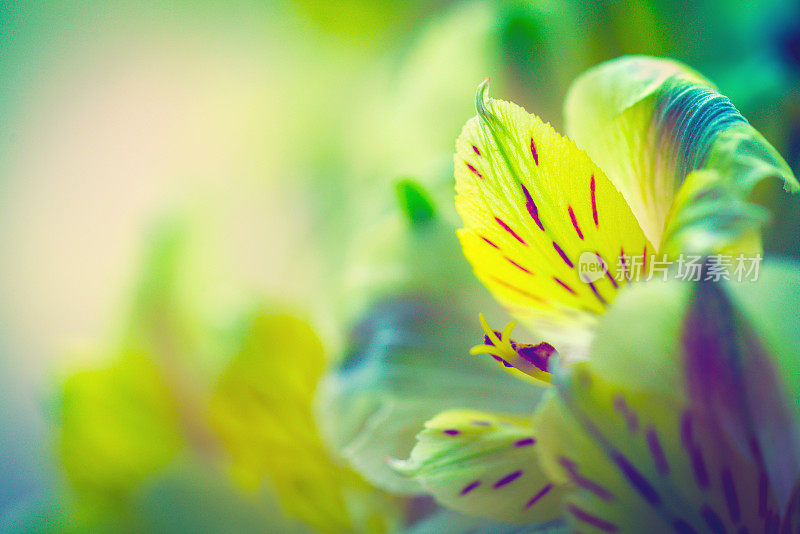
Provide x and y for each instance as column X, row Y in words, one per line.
column 261, row 410
column 118, row 427
column 126, row 423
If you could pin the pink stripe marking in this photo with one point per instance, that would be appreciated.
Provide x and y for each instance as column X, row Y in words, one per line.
column 533, row 151
column 508, row 479
column 597, row 293
column 565, row 286
column 474, row 171
column 594, row 201
column 532, row 207
column 575, row 222
column 478, row 152
column 542, row 492
column 563, row 255
column 471, row 486
column 490, row 242
column 605, row 267
column 510, row 231
column 624, row 265
column 592, row 520
column 644, row 258
column 517, row 265
column 654, row 444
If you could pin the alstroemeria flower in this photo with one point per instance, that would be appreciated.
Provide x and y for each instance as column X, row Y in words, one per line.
column 685, row 420
column 705, row 436
column 667, row 166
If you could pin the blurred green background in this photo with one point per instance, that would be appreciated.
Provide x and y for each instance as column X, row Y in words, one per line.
column 188, row 167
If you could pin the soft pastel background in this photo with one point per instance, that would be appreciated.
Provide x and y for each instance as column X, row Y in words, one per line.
column 185, row 163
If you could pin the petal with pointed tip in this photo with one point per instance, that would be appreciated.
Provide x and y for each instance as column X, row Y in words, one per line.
column 533, row 207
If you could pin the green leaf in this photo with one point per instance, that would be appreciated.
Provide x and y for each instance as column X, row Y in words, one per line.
column 484, row 464
column 652, row 124
column 415, row 202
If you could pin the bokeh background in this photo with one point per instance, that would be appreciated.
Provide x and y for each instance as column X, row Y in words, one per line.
column 173, row 166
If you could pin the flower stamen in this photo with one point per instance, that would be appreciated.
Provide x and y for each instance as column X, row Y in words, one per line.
column 518, row 358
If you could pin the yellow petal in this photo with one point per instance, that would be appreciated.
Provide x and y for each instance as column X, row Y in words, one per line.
column 262, row 412
column 535, row 209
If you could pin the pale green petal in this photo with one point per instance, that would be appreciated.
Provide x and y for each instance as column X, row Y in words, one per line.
column 649, row 124
column 407, row 361
column 415, row 307
column 686, row 414
column 484, row 464
column 632, row 462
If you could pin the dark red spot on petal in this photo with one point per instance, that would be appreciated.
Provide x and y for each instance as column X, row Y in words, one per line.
column 508, row 479
column 471, row 486
column 541, row 493
column 575, row 222
column 763, row 493
column 532, row 210
column 636, row 479
column 594, row 201
column 524, row 442
column 644, row 258
column 490, row 242
column 474, row 171
column 562, row 254
column 585, row 483
column 517, row 265
column 564, row 285
column 591, row 520
column 731, row 497
column 538, row 355
column 656, row 451
column 631, row 419
column 713, row 520
column 607, row 271
column 452, row 432
column 478, row 152
column 624, row 264
column 534, row 153
column 596, row 293
column 501, row 360
column 695, row 454
column 505, row 227
column 488, row 341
